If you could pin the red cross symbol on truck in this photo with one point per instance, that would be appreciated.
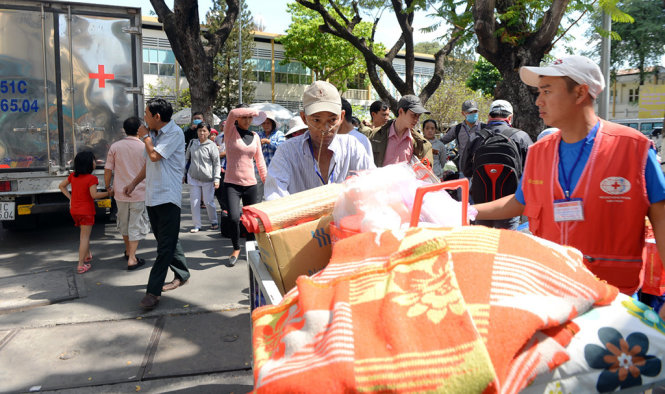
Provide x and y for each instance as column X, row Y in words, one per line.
column 101, row 76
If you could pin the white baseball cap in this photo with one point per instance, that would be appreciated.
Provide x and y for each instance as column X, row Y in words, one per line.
column 321, row 96
column 501, row 105
column 578, row 68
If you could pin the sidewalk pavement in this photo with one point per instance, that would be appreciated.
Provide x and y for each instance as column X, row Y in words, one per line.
column 70, row 333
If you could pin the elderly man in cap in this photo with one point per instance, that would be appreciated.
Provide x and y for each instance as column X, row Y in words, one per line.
column 495, row 169
column 590, row 184
column 319, row 156
column 397, row 140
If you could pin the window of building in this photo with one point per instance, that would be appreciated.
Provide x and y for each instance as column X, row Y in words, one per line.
column 634, row 95
column 158, row 62
column 293, row 73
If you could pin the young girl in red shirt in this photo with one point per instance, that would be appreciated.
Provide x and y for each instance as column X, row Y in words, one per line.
column 82, row 203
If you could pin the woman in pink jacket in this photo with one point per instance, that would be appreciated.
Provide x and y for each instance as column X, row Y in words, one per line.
column 243, row 148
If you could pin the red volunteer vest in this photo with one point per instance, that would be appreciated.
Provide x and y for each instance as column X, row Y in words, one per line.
column 613, row 192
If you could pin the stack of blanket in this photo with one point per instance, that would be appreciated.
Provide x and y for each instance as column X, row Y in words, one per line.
column 465, row 310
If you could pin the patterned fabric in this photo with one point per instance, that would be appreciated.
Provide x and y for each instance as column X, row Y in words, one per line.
column 276, row 138
column 466, row 310
column 618, row 346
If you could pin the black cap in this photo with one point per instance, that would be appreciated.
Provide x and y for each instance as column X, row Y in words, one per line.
column 413, row 103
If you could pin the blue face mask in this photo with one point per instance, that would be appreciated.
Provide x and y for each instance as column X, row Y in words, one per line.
column 472, row 118
column 197, row 122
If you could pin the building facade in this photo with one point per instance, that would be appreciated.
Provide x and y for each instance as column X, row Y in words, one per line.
column 275, row 82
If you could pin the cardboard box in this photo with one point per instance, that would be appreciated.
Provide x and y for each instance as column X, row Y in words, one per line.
column 299, row 250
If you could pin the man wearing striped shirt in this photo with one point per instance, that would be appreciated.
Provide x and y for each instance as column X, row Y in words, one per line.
column 320, row 156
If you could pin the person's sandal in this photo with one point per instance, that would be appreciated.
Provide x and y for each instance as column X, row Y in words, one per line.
column 139, row 263
column 83, row 269
column 214, row 227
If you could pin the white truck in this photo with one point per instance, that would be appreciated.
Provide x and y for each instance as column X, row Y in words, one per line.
column 70, row 74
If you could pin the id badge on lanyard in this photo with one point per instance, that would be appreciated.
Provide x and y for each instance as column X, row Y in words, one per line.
column 568, row 210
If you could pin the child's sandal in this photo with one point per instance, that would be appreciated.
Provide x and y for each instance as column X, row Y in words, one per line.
column 84, row 268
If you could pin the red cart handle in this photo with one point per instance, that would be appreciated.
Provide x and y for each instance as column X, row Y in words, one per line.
column 448, row 185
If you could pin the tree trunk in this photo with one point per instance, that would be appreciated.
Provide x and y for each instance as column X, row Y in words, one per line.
column 513, row 90
column 184, row 33
column 508, row 58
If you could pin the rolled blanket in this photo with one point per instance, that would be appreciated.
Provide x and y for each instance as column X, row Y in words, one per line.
column 291, row 210
column 465, row 310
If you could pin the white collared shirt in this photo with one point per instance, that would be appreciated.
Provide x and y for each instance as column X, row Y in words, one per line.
column 293, row 168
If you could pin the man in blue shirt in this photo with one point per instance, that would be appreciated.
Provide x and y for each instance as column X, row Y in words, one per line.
column 163, row 173
column 567, row 90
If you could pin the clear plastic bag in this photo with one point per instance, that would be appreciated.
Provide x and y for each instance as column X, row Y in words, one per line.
column 383, row 199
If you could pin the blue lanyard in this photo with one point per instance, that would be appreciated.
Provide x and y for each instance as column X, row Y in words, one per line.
column 567, row 179
column 316, row 168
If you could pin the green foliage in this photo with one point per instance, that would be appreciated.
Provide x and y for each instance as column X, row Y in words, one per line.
column 428, row 47
column 450, row 14
column 639, row 42
column 226, row 61
column 179, row 99
column 184, row 100
column 484, row 77
column 446, row 103
column 329, row 57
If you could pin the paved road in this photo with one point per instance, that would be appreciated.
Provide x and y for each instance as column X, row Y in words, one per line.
column 80, row 333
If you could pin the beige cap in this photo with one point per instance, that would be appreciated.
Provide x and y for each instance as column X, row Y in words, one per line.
column 579, row 68
column 321, row 96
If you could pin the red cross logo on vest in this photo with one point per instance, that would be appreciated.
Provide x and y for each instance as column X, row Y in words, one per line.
column 101, row 76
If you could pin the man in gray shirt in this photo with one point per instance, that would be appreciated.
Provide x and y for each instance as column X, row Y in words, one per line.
column 464, row 131
column 163, row 173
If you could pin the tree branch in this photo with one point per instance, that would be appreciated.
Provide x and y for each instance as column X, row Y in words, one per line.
column 485, row 26
column 327, row 74
column 550, row 24
column 332, row 26
column 571, row 25
column 219, row 36
column 439, row 62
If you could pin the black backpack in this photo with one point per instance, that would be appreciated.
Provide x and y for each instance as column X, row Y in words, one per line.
column 497, row 165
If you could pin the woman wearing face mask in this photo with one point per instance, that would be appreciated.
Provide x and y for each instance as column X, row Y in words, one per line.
column 203, row 176
column 243, row 148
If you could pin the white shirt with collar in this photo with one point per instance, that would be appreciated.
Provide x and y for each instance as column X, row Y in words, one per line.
column 293, row 169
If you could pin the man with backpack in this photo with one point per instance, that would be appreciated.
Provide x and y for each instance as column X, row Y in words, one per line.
column 464, row 131
column 495, row 160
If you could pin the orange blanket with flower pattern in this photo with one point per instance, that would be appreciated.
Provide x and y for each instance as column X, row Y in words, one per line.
column 465, row 310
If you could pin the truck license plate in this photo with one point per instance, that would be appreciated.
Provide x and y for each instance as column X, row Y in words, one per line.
column 7, row 210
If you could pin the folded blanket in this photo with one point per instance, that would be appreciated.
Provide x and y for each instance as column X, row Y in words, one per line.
column 291, row 210
column 465, row 310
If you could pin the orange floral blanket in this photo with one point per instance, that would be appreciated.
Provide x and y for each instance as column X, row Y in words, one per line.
column 465, row 310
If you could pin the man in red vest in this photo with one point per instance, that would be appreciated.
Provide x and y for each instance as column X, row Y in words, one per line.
column 591, row 184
